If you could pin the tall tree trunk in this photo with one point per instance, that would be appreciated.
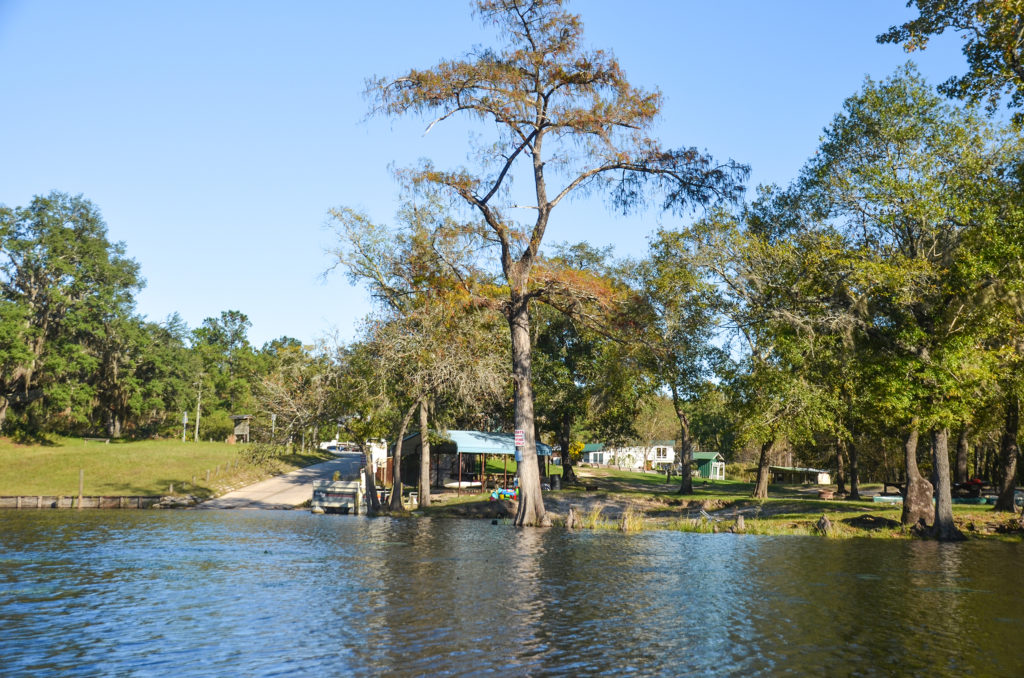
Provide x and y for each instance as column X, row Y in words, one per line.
column 854, row 472
column 531, row 503
column 962, row 452
column 840, row 467
column 424, row 488
column 1008, row 455
column 944, row 529
column 979, row 460
column 761, row 488
column 396, row 460
column 685, row 445
column 917, row 494
column 373, row 505
column 564, row 441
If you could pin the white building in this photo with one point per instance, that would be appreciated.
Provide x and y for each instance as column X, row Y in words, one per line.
column 654, row 456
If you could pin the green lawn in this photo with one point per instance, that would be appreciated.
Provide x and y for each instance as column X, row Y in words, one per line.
column 789, row 509
column 497, row 464
column 145, row 467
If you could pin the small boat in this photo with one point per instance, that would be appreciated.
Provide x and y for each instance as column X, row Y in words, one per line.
column 455, row 484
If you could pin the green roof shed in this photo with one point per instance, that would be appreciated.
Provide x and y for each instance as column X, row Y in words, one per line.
column 710, row 465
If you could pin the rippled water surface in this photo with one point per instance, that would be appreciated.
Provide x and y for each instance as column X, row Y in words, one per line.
column 288, row 593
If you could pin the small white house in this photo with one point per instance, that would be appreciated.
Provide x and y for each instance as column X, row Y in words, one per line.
column 654, row 456
column 593, row 453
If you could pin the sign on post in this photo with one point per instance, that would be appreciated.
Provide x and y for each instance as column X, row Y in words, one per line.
column 520, row 438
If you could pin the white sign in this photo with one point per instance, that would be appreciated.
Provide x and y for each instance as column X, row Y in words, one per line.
column 520, row 437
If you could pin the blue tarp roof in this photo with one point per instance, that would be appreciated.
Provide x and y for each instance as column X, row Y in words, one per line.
column 478, row 442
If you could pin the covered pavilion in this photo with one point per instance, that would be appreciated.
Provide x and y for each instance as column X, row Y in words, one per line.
column 484, row 444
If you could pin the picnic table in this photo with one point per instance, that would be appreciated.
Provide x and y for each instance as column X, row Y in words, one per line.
column 900, row 486
column 970, row 489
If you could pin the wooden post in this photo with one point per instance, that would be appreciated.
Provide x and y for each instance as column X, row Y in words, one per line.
column 170, row 490
column 39, row 501
column 574, row 520
column 207, row 475
column 458, row 488
column 81, row 486
column 483, row 473
column 19, row 501
column 504, row 472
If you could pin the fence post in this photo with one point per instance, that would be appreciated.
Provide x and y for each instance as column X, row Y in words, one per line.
column 81, row 486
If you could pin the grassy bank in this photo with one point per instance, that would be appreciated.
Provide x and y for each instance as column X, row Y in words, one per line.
column 147, row 467
column 608, row 499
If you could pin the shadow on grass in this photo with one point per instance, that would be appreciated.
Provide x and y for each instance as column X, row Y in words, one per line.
column 28, row 438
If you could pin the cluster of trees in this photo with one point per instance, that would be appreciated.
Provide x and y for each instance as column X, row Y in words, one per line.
column 860, row 318
column 870, row 307
column 76, row 358
column 877, row 298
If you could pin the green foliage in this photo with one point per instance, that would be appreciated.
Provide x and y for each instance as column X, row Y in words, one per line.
column 64, row 283
column 913, row 186
column 993, row 45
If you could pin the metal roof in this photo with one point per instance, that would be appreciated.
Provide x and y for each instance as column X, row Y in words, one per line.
column 593, row 447
column 706, row 456
column 478, row 442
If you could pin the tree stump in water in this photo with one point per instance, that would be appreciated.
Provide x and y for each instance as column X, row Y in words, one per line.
column 574, row 520
column 739, row 527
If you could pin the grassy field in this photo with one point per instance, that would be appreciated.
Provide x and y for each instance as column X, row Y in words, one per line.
column 499, row 464
column 612, row 499
column 147, row 467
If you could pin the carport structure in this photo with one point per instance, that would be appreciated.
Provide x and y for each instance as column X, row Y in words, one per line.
column 481, row 443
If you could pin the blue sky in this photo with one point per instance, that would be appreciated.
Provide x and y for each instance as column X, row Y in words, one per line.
column 215, row 136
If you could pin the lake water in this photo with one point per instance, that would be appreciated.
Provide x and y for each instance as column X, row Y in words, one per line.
column 251, row 593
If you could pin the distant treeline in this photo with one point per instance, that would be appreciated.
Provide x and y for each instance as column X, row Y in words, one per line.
column 76, row 357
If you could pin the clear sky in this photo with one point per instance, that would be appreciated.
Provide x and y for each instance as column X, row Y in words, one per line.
column 215, row 135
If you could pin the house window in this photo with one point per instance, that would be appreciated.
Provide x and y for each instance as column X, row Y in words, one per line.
column 662, row 453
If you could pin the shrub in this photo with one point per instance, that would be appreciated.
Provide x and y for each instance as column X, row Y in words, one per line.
column 738, row 471
column 260, row 454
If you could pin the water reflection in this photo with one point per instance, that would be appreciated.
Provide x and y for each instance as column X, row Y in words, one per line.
column 272, row 593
